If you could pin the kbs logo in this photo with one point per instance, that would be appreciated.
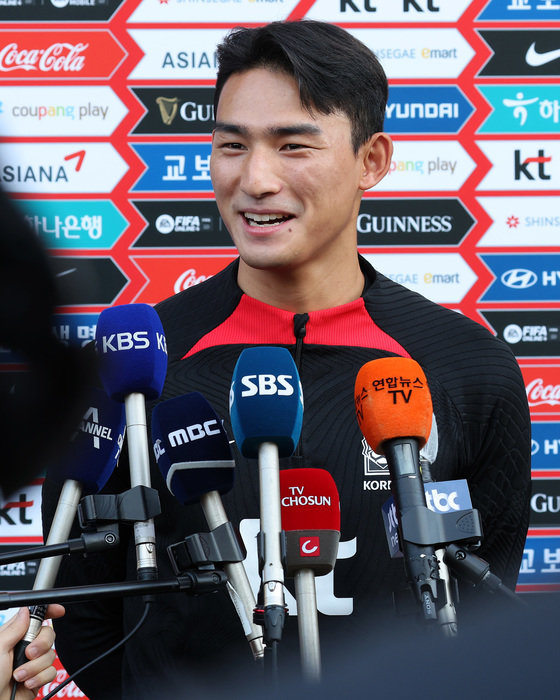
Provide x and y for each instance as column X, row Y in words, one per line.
column 139, row 340
column 267, row 385
column 309, row 546
column 59, row 54
column 197, row 431
column 543, row 389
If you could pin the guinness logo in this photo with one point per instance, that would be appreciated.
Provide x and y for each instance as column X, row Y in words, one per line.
column 168, row 107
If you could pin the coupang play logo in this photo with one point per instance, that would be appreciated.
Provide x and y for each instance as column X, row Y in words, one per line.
column 59, row 54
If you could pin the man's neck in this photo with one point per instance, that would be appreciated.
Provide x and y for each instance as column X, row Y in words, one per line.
column 306, row 290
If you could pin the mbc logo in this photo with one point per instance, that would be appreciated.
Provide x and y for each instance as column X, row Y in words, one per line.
column 193, row 432
column 267, row 385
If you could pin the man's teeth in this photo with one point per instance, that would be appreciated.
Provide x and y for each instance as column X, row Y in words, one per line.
column 264, row 219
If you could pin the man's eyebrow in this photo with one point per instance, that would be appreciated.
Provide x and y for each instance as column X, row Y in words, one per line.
column 290, row 130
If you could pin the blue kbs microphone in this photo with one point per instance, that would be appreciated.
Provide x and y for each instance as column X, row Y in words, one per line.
column 266, row 410
column 132, row 354
column 194, row 456
column 85, row 468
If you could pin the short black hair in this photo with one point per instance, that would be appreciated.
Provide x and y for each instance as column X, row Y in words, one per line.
column 335, row 72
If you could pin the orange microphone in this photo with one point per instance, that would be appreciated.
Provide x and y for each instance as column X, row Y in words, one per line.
column 393, row 401
column 394, row 412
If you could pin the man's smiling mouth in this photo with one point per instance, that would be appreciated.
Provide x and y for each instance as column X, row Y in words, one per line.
column 265, row 219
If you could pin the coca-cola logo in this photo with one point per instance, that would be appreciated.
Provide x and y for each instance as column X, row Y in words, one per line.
column 59, row 54
column 188, row 278
column 58, row 57
column 69, row 691
column 539, row 393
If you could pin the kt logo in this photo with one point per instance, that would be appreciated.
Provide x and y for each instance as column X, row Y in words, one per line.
column 528, row 166
column 20, row 505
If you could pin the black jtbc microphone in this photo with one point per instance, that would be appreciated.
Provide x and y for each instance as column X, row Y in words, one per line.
column 266, row 409
column 311, row 522
column 132, row 364
column 85, row 468
column 194, row 456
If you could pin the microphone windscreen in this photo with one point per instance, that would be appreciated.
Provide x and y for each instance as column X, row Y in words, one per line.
column 95, row 447
column 393, row 400
column 309, row 500
column 266, row 401
column 132, row 351
column 191, row 447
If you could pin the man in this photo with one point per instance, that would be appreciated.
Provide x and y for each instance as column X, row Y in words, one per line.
column 297, row 141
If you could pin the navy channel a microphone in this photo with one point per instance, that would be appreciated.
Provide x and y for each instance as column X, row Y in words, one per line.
column 132, row 354
column 84, row 468
column 194, row 456
column 394, row 412
column 266, row 410
column 310, row 510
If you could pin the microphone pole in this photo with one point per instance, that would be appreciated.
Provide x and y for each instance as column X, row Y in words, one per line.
column 85, row 467
column 266, row 411
column 395, row 417
column 194, row 456
column 311, row 523
column 132, row 363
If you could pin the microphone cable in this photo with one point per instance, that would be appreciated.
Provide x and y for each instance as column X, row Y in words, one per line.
column 98, row 658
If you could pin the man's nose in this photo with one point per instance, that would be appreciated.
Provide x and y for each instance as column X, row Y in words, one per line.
column 260, row 174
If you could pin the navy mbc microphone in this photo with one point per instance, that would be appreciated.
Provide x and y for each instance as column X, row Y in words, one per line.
column 194, row 456
column 85, row 468
column 132, row 364
column 266, row 410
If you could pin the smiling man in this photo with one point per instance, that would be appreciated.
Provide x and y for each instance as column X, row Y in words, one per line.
column 298, row 140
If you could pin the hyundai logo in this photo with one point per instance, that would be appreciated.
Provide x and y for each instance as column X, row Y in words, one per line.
column 519, row 278
column 534, row 447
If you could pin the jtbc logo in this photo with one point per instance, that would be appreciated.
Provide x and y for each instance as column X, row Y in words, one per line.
column 139, row 340
column 267, row 385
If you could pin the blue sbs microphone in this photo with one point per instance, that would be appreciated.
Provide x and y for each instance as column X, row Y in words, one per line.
column 266, row 410
column 194, row 456
column 84, row 468
column 132, row 354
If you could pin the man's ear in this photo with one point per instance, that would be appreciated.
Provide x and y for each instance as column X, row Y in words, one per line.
column 377, row 153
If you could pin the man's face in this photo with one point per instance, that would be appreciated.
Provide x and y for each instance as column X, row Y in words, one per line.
column 287, row 183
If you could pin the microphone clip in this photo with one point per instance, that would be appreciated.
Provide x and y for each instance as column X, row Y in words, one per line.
column 137, row 504
column 206, row 549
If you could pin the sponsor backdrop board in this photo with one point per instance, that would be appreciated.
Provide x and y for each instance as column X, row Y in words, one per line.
column 105, row 123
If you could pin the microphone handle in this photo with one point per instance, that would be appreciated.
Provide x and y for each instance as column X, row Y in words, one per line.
column 272, row 574
column 447, row 614
column 139, row 460
column 308, row 624
column 48, row 568
column 239, row 589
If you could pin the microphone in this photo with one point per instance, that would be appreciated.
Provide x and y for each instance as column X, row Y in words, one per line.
column 132, row 364
column 194, row 456
column 394, row 412
column 266, row 411
column 310, row 511
column 85, row 468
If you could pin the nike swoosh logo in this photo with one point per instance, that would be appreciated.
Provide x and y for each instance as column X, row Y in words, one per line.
column 540, row 59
